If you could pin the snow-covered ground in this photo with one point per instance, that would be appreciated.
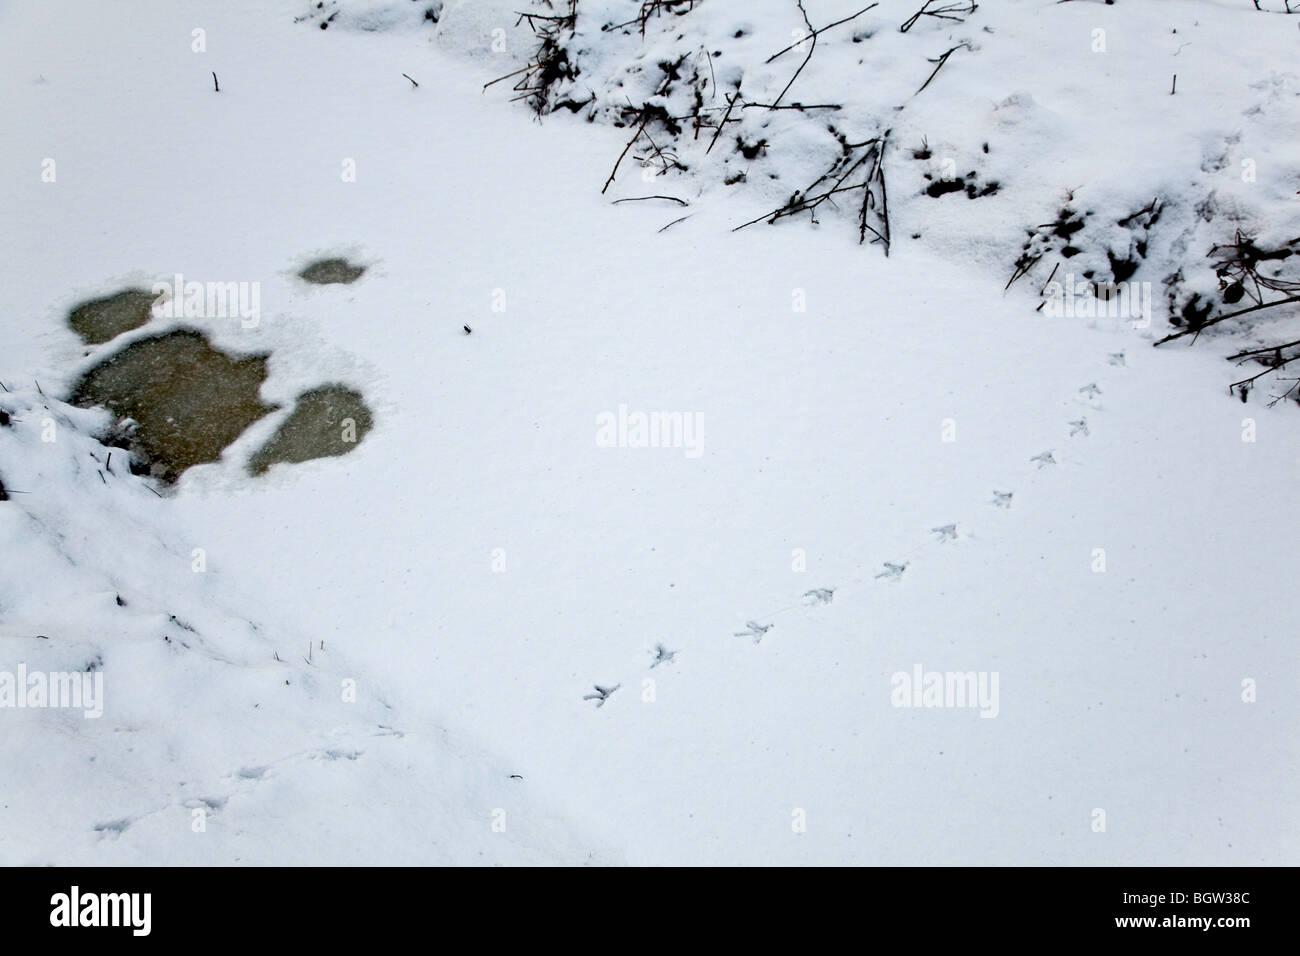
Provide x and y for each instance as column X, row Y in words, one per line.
column 384, row 657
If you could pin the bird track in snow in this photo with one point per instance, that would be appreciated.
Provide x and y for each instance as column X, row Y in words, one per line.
column 892, row 571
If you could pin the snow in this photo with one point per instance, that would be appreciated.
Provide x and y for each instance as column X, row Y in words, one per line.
column 479, row 563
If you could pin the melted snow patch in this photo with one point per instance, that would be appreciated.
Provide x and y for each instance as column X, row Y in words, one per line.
column 332, row 272
column 186, row 401
column 100, row 320
column 326, row 422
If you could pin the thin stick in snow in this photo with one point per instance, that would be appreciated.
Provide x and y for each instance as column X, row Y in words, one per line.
column 1221, row 318
column 815, row 32
column 614, row 172
column 812, row 47
column 680, row 202
column 941, row 60
column 952, row 11
column 731, row 101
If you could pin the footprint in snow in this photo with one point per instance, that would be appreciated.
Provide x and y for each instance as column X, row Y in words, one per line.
column 755, row 630
column 602, row 694
column 892, row 572
column 115, row 828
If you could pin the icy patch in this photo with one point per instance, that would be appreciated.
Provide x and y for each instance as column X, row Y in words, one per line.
column 325, row 422
column 186, row 401
column 101, row 320
column 332, row 272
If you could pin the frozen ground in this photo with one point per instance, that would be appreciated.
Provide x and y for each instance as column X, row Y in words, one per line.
column 479, row 562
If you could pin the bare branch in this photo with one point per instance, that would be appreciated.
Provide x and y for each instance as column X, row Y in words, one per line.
column 614, row 171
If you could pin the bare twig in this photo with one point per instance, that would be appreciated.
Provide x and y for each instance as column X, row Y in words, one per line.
column 1250, row 353
column 1223, row 318
column 1271, row 357
column 811, row 49
column 731, row 101
column 522, row 69
column 649, row 7
column 794, row 106
column 614, row 171
column 1023, row 265
column 877, row 176
column 874, row 199
column 951, row 11
column 1242, row 387
column 815, row 32
column 550, row 63
column 941, row 60
column 1049, row 279
column 680, row 202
